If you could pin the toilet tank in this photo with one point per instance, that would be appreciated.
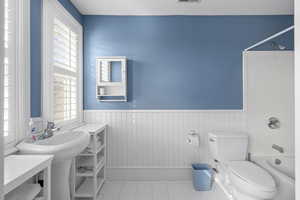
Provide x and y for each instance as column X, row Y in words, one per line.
column 228, row 146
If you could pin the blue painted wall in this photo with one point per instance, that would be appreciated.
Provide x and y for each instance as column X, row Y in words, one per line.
column 68, row 5
column 36, row 49
column 177, row 62
column 35, row 56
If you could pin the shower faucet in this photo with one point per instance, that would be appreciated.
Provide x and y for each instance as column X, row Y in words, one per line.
column 273, row 123
column 278, row 148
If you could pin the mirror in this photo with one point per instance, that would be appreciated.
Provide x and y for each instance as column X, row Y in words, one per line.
column 111, row 82
column 110, row 71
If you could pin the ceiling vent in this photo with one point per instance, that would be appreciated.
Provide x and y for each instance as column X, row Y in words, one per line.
column 189, row 1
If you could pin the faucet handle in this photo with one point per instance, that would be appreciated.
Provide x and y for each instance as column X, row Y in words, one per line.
column 50, row 125
column 273, row 123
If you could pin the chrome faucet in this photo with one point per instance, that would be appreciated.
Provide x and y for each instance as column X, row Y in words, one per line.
column 278, row 148
column 48, row 132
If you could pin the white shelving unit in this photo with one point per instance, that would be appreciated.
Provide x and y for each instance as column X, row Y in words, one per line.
column 20, row 172
column 107, row 88
column 89, row 165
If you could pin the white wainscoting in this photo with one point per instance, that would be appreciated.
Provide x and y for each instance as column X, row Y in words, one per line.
column 270, row 94
column 157, row 138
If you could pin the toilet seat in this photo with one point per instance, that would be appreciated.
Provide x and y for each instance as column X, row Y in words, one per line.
column 253, row 175
column 251, row 180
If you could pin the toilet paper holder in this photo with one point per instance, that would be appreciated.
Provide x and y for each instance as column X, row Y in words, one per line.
column 193, row 134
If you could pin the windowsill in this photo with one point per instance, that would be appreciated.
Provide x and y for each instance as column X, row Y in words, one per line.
column 10, row 150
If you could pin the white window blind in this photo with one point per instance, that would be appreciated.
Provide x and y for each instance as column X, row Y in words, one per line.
column 65, row 72
column 10, row 53
column 62, row 65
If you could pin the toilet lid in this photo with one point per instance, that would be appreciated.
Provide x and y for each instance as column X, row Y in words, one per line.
column 253, row 174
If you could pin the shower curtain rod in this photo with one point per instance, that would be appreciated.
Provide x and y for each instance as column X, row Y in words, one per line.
column 270, row 38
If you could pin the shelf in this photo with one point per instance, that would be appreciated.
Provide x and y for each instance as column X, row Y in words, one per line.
column 92, row 154
column 112, row 95
column 93, row 129
column 89, row 165
column 110, row 84
column 20, row 168
column 106, row 85
column 90, row 162
column 114, row 100
column 86, row 188
column 86, row 174
column 91, row 173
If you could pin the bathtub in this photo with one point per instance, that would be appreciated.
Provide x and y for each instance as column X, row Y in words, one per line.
column 283, row 172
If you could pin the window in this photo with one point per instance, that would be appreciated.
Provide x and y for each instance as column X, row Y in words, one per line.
column 62, row 65
column 65, row 63
column 16, row 70
column 8, row 71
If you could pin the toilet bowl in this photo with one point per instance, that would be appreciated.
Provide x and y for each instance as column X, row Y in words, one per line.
column 250, row 182
column 240, row 179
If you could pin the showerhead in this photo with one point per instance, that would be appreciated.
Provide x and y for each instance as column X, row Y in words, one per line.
column 277, row 46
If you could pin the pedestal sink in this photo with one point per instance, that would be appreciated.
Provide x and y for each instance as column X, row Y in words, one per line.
column 64, row 146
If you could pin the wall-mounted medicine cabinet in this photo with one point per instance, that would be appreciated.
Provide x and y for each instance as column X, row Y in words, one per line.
column 111, row 84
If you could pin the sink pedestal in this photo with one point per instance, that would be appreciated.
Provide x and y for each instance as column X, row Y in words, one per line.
column 64, row 146
column 60, row 186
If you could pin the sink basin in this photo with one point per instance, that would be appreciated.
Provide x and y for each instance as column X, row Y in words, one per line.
column 64, row 146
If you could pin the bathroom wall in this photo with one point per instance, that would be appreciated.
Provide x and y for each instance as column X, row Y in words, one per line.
column 158, row 138
column 176, row 62
column 189, row 64
column 152, row 144
column 185, row 73
column 213, row 84
column 270, row 92
column 36, row 50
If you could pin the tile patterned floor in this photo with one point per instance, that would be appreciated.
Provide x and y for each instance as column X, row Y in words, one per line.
column 157, row 191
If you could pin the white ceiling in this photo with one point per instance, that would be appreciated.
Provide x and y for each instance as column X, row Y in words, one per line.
column 173, row 7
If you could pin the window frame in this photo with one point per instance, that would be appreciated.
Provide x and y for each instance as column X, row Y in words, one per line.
column 1, row 100
column 53, row 9
column 21, row 75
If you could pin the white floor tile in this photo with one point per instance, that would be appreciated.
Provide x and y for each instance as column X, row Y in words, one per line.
column 177, row 190
column 128, row 191
column 160, row 191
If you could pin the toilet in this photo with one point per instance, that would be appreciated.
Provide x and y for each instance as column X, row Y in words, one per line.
column 243, row 179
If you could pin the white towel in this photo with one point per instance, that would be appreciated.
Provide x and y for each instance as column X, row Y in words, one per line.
column 24, row 192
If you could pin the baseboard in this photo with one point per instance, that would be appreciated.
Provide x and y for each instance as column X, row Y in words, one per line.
column 148, row 174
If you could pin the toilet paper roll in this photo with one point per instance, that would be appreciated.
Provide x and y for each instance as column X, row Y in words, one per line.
column 193, row 140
